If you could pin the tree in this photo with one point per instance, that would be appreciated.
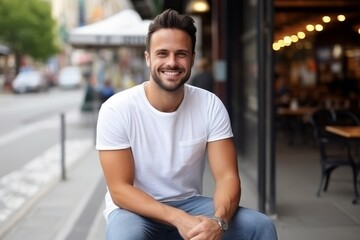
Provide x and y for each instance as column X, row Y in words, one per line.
column 28, row 28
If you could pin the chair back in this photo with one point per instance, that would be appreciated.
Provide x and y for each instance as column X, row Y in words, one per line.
column 319, row 120
column 334, row 150
column 330, row 144
column 346, row 118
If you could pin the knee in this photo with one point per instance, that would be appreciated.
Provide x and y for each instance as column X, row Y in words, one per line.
column 123, row 225
column 264, row 227
column 254, row 225
column 266, row 224
column 114, row 232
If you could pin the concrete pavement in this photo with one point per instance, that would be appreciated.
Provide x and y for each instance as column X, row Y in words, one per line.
column 23, row 188
column 68, row 210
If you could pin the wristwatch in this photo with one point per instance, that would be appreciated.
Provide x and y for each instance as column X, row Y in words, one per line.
column 222, row 223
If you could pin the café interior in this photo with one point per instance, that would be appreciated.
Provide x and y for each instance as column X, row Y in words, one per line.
column 316, row 48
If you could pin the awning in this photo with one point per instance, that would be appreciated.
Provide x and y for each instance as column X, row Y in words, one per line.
column 123, row 29
column 4, row 50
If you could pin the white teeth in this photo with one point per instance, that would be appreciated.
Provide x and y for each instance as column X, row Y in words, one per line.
column 171, row 73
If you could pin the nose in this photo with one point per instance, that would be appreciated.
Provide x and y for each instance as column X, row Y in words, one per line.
column 172, row 60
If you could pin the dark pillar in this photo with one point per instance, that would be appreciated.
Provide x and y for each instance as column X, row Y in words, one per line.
column 218, row 50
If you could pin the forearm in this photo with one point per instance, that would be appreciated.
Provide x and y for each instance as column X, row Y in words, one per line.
column 139, row 202
column 119, row 176
column 227, row 197
column 223, row 164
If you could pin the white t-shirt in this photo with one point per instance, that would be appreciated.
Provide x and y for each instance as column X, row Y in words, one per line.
column 169, row 149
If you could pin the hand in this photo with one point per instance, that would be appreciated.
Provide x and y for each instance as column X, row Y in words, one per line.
column 186, row 223
column 207, row 229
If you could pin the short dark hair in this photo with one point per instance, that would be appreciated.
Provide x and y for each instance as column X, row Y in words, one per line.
column 172, row 19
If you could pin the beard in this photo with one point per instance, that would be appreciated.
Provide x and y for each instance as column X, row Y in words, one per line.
column 169, row 87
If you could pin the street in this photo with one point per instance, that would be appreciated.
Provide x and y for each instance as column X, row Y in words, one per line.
column 31, row 145
column 18, row 110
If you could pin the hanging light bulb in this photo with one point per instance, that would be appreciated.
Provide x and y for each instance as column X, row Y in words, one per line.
column 197, row 6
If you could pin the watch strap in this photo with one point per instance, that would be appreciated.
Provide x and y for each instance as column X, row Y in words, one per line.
column 222, row 223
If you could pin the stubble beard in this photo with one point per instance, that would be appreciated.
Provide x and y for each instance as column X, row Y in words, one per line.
column 167, row 87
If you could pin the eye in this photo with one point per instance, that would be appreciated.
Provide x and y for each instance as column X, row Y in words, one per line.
column 182, row 54
column 162, row 54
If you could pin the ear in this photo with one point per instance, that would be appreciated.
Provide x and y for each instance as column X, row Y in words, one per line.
column 147, row 58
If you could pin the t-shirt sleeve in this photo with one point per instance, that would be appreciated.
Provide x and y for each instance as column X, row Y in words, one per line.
column 219, row 121
column 111, row 130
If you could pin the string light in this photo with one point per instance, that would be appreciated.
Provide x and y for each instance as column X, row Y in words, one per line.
column 287, row 40
column 341, row 18
column 198, row 6
column 326, row 19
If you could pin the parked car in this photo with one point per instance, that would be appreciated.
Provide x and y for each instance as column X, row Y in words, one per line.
column 70, row 77
column 29, row 81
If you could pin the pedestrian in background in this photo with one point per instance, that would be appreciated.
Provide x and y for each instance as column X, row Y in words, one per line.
column 153, row 140
column 204, row 78
column 106, row 91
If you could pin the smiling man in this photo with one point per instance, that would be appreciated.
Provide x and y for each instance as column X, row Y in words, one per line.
column 153, row 141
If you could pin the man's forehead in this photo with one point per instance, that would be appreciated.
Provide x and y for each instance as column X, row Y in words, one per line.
column 170, row 38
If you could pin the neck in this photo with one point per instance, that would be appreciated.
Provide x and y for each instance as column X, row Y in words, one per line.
column 162, row 100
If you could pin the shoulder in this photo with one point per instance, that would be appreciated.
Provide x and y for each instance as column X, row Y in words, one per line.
column 197, row 91
column 200, row 94
column 125, row 99
column 128, row 94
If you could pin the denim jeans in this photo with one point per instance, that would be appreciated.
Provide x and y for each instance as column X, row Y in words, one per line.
column 246, row 223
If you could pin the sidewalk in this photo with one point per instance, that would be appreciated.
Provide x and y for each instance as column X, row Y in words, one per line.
column 72, row 210
column 303, row 215
column 34, row 196
column 57, row 214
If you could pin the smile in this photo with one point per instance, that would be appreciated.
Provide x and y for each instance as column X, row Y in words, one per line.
column 171, row 73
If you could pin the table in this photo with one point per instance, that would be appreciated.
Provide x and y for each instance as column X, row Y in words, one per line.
column 295, row 121
column 345, row 131
column 300, row 111
column 349, row 132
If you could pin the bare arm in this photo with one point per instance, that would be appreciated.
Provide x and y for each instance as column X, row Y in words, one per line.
column 119, row 171
column 223, row 164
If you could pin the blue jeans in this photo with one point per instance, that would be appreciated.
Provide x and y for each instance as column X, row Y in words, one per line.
column 246, row 223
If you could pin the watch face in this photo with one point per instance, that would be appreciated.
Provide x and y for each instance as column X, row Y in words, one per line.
column 224, row 225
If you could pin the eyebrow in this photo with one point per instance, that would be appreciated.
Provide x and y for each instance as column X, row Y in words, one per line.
column 177, row 51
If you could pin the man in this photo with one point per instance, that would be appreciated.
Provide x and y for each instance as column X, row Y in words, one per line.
column 153, row 140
